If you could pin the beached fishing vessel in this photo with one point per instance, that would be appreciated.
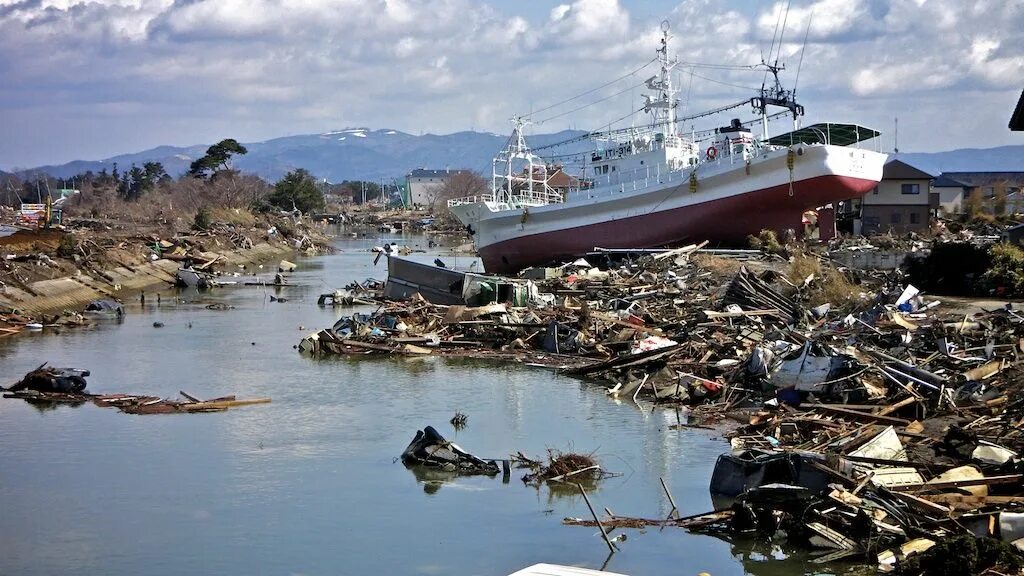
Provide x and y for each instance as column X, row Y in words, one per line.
column 650, row 186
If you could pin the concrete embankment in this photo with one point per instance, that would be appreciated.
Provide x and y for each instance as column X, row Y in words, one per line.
column 74, row 292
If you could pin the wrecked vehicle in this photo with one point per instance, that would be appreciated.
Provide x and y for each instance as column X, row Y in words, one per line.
column 428, row 448
column 48, row 379
column 739, row 472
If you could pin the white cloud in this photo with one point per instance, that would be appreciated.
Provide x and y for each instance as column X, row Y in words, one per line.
column 120, row 72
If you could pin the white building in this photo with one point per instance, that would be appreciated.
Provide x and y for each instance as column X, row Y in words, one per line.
column 423, row 185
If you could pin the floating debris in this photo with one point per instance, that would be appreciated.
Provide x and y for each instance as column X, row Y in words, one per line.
column 68, row 386
column 428, row 448
column 459, row 421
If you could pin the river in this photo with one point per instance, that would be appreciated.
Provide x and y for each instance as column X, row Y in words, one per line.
column 309, row 484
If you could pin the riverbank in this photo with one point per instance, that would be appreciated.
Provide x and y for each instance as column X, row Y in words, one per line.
column 51, row 271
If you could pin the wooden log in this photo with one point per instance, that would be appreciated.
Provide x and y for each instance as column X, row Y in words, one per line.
column 367, row 346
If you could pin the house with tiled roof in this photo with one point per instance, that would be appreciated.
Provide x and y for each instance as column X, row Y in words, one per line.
column 902, row 202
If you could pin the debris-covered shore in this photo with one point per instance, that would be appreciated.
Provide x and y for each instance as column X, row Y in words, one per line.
column 48, row 275
column 865, row 418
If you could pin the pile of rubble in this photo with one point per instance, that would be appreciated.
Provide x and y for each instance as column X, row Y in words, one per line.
column 880, row 426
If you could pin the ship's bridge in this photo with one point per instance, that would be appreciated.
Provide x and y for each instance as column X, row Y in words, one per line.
column 733, row 140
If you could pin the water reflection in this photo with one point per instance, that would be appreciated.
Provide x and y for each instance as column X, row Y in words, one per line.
column 433, row 479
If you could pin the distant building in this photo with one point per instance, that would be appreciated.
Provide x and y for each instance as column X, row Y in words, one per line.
column 556, row 179
column 422, row 185
column 955, row 187
column 951, row 194
column 902, row 202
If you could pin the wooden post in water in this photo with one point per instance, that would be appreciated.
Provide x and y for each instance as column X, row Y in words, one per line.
column 675, row 509
column 596, row 519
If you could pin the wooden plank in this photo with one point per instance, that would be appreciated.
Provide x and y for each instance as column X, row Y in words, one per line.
column 189, row 397
column 899, row 463
column 975, row 500
column 894, row 407
column 1005, row 479
column 711, row 314
column 836, row 539
column 862, row 415
column 921, row 503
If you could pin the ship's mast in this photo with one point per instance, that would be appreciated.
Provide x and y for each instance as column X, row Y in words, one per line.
column 775, row 95
column 517, row 149
column 663, row 104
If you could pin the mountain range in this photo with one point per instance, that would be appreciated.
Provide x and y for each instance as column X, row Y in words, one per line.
column 385, row 155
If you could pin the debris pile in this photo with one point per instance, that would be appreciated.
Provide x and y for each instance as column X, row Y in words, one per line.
column 876, row 424
column 561, row 467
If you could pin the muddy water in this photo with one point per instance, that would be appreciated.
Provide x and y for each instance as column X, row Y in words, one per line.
column 308, row 484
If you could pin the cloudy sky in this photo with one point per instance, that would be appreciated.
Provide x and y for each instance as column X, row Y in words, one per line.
column 87, row 79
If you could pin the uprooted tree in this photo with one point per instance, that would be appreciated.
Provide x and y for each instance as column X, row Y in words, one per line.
column 217, row 158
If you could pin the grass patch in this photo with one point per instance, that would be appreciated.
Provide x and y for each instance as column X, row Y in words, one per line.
column 718, row 266
column 767, row 241
column 830, row 285
column 239, row 217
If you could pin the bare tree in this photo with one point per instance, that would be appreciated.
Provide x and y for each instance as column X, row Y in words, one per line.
column 460, row 184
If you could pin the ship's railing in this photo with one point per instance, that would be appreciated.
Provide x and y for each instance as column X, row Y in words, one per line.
column 614, row 183
column 514, row 202
column 537, row 198
column 471, row 200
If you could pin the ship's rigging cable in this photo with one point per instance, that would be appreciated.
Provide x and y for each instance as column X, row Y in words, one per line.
column 589, row 135
column 803, row 48
column 578, row 108
column 719, row 66
column 598, row 133
column 591, row 91
column 712, row 80
column 771, row 48
column 782, row 32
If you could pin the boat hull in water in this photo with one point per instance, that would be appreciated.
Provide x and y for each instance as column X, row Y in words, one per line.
column 722, row 202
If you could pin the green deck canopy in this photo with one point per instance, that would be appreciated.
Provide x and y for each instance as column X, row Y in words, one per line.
column 825, row 133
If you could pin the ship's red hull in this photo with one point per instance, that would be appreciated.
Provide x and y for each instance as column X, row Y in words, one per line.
column 728, row 221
